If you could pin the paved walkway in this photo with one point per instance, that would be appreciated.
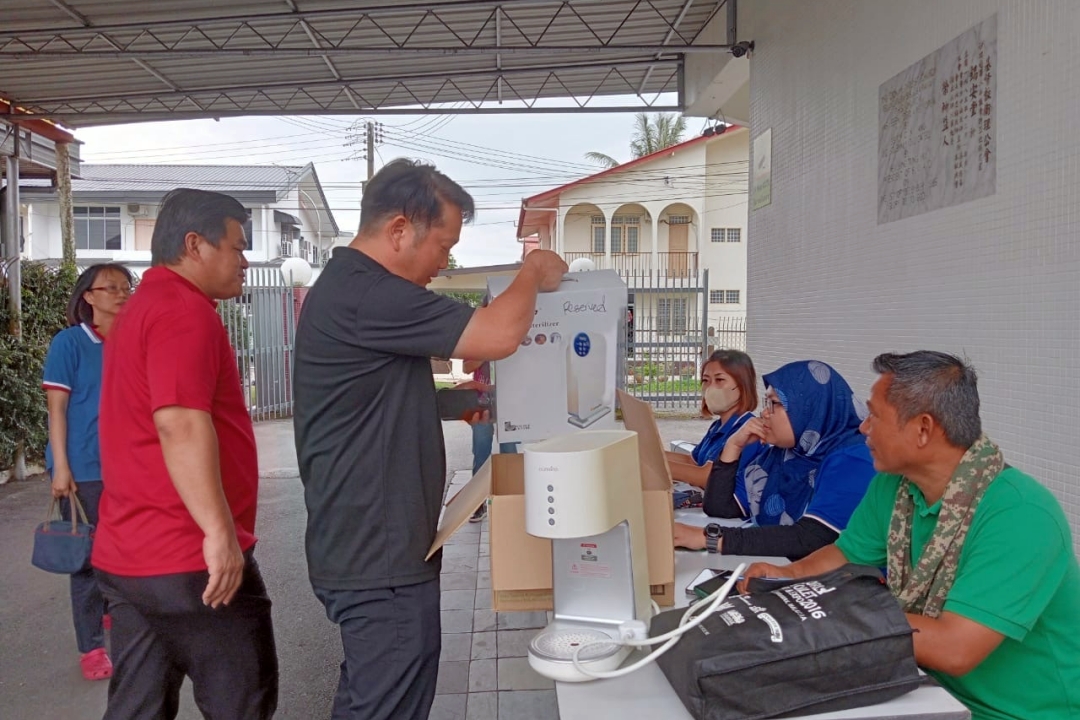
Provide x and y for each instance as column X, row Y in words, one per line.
column 484, row 672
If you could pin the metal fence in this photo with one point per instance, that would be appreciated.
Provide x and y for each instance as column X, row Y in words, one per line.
column 262, row 329
column 669, row 336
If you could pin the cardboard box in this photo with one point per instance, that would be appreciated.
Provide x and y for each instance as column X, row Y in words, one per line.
column 564, row 374
column 521, row 563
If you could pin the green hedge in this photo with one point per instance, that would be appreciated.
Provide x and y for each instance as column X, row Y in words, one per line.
column 23, row 418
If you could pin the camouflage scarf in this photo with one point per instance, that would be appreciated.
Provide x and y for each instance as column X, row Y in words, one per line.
column 923, row 589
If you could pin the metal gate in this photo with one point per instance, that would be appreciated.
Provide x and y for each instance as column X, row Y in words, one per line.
column 669, row 336
column 262, row 329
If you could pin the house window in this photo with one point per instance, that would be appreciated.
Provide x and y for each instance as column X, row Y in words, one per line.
column 625, row 233
column 678, row 219
column 598, row 239
column 248, row 229
column 731, row 235
column 97, row 228
column 671, row 315
column 724, row 297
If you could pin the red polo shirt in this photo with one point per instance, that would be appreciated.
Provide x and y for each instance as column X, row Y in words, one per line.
column 167, row 348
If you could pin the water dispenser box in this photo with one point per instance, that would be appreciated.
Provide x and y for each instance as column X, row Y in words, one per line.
column 564, row 374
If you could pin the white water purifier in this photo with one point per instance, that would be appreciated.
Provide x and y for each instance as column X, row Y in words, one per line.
column 587, row 381
column 583, row 491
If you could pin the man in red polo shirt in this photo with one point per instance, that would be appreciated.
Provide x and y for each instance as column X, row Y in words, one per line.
column 174, row 544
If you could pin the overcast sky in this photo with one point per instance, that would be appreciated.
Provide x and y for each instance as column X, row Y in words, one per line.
column 498, row 158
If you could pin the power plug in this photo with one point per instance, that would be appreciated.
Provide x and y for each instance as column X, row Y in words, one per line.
column 633, row 630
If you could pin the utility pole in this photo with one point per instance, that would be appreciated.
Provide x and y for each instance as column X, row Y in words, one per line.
column 370, row 151
column 372, row 136
column 12, row 252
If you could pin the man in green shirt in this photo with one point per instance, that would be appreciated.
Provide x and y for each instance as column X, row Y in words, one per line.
column 979, row 554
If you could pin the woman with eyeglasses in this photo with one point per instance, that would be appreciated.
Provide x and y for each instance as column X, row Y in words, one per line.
column 72, row 382
column 797, row 471
column 729, row 394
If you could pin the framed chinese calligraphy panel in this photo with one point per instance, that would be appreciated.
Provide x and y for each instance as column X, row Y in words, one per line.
column 937, row 129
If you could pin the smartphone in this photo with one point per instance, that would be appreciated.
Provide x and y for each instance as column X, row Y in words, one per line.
column 459, row 403
column 710, row 585
column 704, row 576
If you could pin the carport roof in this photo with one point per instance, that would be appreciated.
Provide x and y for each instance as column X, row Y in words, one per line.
column 95, row 62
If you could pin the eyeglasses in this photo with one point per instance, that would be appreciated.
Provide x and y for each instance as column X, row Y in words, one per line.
column 769, row 405
column 114, row 289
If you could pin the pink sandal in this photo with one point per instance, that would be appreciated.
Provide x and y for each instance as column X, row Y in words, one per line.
column 96, row 665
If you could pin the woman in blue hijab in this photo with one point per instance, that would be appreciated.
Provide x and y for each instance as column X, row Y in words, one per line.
column 797, row 472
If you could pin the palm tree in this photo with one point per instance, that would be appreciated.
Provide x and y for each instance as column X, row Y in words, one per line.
column 650, row 135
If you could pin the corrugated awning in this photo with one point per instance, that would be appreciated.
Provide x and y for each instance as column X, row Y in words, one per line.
column 286, row 219
column 94, row 62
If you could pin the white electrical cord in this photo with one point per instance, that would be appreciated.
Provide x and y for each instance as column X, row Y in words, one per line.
column 686, row 623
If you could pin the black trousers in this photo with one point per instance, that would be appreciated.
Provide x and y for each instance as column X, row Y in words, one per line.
column 391, row 639
column 162, row 632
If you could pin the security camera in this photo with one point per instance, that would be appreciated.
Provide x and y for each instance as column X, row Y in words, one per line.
column 742, row 48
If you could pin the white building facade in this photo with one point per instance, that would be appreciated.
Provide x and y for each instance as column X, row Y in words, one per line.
column 675, row 219
column 115, row 209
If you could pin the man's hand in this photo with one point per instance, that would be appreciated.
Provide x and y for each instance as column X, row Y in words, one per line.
column 63, row 483
column 549, row 267
column 225, row 563
column 479, row 418
column 689, row 537
column 765, row 570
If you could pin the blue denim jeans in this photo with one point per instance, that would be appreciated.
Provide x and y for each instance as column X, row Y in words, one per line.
column 483, row 435
column 87, row 604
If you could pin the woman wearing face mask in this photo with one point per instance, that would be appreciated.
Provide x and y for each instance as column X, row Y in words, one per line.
column 798, row 471
column 729, row 393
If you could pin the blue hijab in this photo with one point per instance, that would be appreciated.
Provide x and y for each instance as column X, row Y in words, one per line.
column 778, row 483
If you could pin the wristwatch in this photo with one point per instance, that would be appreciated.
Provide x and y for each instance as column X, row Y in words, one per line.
column 713, row 534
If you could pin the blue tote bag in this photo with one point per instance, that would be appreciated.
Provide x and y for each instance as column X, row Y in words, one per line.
column 62, row 546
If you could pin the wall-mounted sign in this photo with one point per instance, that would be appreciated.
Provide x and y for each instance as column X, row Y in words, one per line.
column 937, row 129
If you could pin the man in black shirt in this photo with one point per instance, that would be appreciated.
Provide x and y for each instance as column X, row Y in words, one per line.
column 368, row 435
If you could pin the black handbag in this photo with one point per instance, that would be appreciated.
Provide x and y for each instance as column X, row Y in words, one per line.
column 61, row 546
column 813, row 645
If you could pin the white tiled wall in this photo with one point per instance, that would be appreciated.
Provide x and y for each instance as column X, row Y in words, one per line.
column 997, row 279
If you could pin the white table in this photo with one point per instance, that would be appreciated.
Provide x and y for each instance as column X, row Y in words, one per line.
column 646, row 694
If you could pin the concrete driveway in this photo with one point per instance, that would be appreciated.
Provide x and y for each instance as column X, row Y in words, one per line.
column 39, row 670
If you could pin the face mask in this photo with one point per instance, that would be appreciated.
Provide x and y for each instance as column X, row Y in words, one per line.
column 720, row 399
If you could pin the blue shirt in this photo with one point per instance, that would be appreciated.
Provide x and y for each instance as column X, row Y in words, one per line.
column 829, row 495
column 717, row 436
column 74, row 366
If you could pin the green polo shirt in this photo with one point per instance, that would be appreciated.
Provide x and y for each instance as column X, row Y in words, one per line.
column 1018, row 576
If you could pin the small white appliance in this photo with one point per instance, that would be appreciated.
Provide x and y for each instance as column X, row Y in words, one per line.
column 583, row 491
column 587, row 380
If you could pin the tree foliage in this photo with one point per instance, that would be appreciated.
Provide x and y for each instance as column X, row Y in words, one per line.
column 45, row 293
column 652, row 133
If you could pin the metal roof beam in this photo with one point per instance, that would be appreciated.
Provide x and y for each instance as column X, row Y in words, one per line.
column 497, row 50
column 120, row 118
column 399, row 78
column 393, row 8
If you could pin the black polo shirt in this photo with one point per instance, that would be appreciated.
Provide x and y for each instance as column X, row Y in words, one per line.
column 368, row 435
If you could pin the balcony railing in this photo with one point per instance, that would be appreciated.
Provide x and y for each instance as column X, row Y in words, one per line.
column 668, row 264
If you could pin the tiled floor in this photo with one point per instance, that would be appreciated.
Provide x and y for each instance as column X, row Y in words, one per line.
column 484, row 673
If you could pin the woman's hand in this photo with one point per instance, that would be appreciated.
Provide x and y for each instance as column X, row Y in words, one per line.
column 63, row 483
column 689, row 537
column 752, row 431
